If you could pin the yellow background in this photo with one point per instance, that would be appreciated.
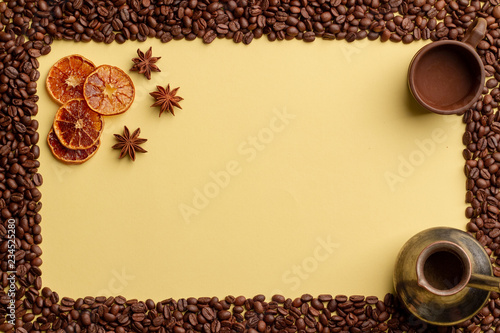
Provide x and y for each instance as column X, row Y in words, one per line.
column 320, row 177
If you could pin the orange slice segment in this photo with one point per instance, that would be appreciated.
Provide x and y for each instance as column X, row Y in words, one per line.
column 109, row 90
column 66, row 78
column 76, row 125
column 70, row 156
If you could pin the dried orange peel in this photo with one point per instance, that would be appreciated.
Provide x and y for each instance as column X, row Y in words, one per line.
column 109, row 90
column 76, row 125
column 66, row 78
column 70, row 156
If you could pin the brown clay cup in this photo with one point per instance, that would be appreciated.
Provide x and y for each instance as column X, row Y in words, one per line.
column 447, row 77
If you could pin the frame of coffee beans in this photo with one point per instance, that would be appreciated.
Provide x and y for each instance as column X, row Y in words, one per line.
column 27, row 29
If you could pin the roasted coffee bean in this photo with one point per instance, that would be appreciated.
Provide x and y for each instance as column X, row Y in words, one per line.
column 209, row 36
column 248, row 37
column 325, row 298
column 208, row 313
column 11, row 72
column 279, row 298
column 309, row 36
column 491, row 83
column 317, row 304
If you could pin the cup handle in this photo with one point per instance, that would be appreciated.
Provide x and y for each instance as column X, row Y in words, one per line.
column 484, row 282
column 476, row 32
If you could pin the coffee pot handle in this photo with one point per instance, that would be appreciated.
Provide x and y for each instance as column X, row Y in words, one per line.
column 484, row 282
column 476, row 32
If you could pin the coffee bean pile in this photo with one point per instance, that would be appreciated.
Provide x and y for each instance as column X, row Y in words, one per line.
column 28, row 28
column 232, row 314
column 244, row 20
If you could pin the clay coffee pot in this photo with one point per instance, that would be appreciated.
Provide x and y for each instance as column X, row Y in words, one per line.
column 443, row 276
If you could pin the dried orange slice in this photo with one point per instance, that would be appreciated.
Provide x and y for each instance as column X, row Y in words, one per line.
column 109, row 90
column 76, row 125
column 70, row 156
column 66, row 78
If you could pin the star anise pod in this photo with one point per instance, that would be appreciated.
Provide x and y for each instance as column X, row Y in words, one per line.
column 145, row 63
column 129, row 144
column 166, row 99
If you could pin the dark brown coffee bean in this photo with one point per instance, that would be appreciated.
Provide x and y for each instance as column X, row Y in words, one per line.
column 222, row 29
column 350, row 37
column 395, row 38
column 208, row 313
column 407, row 39
column 383, row 316
column 469, row 211
column 224, row 315
column 37, row 179
column 309, row 36
column 491, row 83
column 67, row 301
column 258, row 307
column 239, row 301
column 248, row 37
column 341, row 298
column 317, row 304
column 85, row 318
column 6, row 327
column 278, row 26
column 325, row 298
column 11, row 72
column 278, row 298
column 209, row 37
column 178, row 329
column 109, row 317
column 238, row 37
